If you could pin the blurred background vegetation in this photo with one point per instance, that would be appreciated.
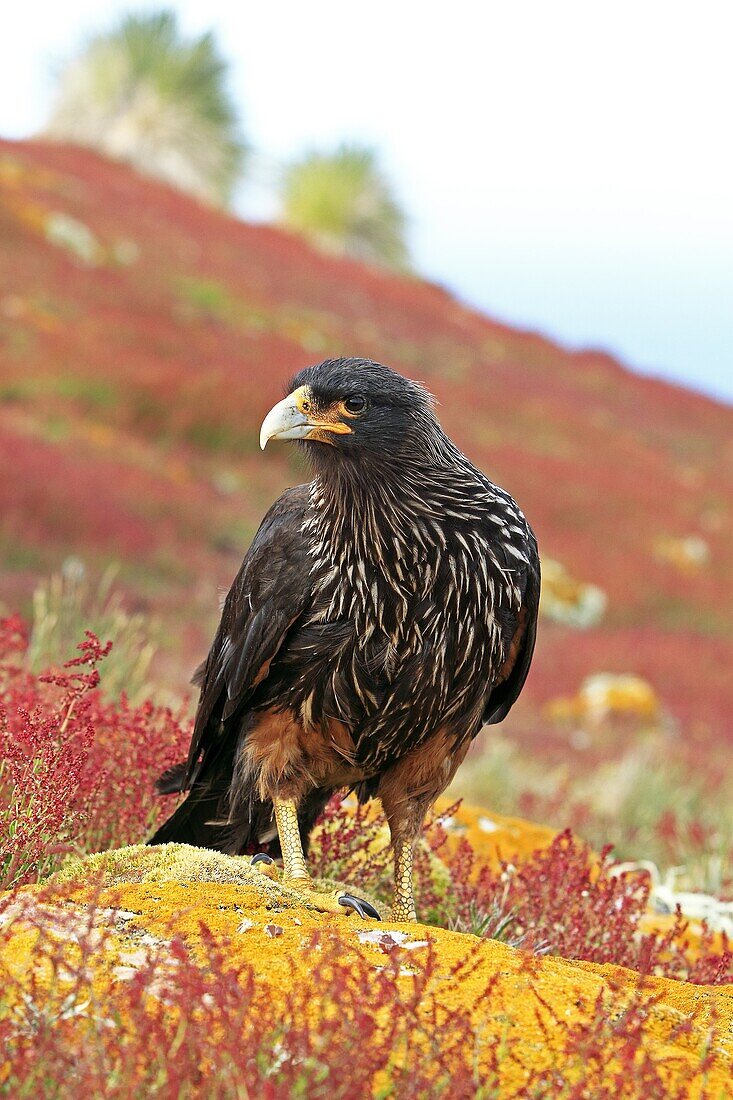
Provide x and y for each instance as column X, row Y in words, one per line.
column 142, row 337
column 342, row 202
column 146, row 94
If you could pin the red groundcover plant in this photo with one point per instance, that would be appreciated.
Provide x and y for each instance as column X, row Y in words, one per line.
column 76, row 771
column 566, row 901
column 180, row 1028
column 562, row 900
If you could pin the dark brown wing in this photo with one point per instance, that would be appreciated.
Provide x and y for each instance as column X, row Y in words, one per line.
column 507, row 691
column 268, row 596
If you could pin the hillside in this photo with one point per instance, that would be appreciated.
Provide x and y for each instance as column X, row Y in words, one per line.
column 143, row 337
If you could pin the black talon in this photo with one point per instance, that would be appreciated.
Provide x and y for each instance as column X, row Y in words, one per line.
column 363, row 908
column 261, row 857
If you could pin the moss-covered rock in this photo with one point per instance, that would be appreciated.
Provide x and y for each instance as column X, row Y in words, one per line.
column 139, row 914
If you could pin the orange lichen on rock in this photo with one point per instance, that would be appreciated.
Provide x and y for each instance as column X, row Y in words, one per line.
column 607, row 695
column 494, row 838
column 501, row 1018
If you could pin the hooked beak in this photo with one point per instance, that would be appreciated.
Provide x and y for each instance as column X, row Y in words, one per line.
column 292, row 419
column 285, row 421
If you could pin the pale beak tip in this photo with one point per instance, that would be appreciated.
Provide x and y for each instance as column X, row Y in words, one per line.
column 284, row 421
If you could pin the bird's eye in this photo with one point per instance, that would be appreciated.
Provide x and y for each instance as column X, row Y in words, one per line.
column 355, row 404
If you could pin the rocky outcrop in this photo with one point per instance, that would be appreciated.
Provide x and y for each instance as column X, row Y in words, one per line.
column 511, row 1022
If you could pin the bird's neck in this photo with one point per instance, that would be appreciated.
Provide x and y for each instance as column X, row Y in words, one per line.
column 385, row 516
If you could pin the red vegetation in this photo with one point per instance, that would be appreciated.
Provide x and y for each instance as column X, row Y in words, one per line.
column 180, row 1028
column 212, row 1030
column 561, row 901
column 76, row 772
column 79, row 774
column 564, row 902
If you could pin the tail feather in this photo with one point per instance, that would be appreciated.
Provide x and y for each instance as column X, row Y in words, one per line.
column 205, row 819
column 172, row 780
column 193, row 822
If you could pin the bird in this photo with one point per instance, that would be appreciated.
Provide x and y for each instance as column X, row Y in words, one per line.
column 384, row 612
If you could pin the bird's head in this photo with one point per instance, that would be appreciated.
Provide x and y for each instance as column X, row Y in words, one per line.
column 356, row 407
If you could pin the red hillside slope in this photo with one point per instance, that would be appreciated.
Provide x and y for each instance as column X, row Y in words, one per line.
column 143, row 337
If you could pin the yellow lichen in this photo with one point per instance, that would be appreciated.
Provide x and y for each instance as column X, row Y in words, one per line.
column 607, row 695
column 139, row 898
column 493, row 837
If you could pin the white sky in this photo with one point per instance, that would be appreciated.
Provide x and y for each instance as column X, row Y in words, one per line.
column 567, row 166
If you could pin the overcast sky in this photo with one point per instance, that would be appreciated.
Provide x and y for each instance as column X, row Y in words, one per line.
column 566, row 166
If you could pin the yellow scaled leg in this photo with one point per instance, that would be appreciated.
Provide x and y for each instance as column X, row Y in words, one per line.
column 286, row 819
column 295, row 868
column 404, row 902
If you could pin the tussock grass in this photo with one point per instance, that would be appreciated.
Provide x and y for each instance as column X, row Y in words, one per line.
column 68, row 604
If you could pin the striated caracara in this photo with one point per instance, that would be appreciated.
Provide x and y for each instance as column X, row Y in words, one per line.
column 383, row 613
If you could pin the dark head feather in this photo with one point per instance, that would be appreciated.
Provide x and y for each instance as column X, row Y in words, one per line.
column 398, row 417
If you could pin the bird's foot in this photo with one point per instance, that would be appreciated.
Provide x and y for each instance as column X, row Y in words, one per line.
column 261, row 857
column 325, row 901
column 330, row 901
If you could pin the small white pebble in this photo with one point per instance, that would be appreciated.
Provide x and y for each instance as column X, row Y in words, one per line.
column 149, row 941
column 246, row 925
column 133, row 958
column 383, row 936
column 387, row 938
column 404, row 971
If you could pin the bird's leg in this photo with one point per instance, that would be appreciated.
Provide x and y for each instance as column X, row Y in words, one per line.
column 407, row 791
column 296, row 876
column 405, row 814
column 288, row 829
column 403, row 907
